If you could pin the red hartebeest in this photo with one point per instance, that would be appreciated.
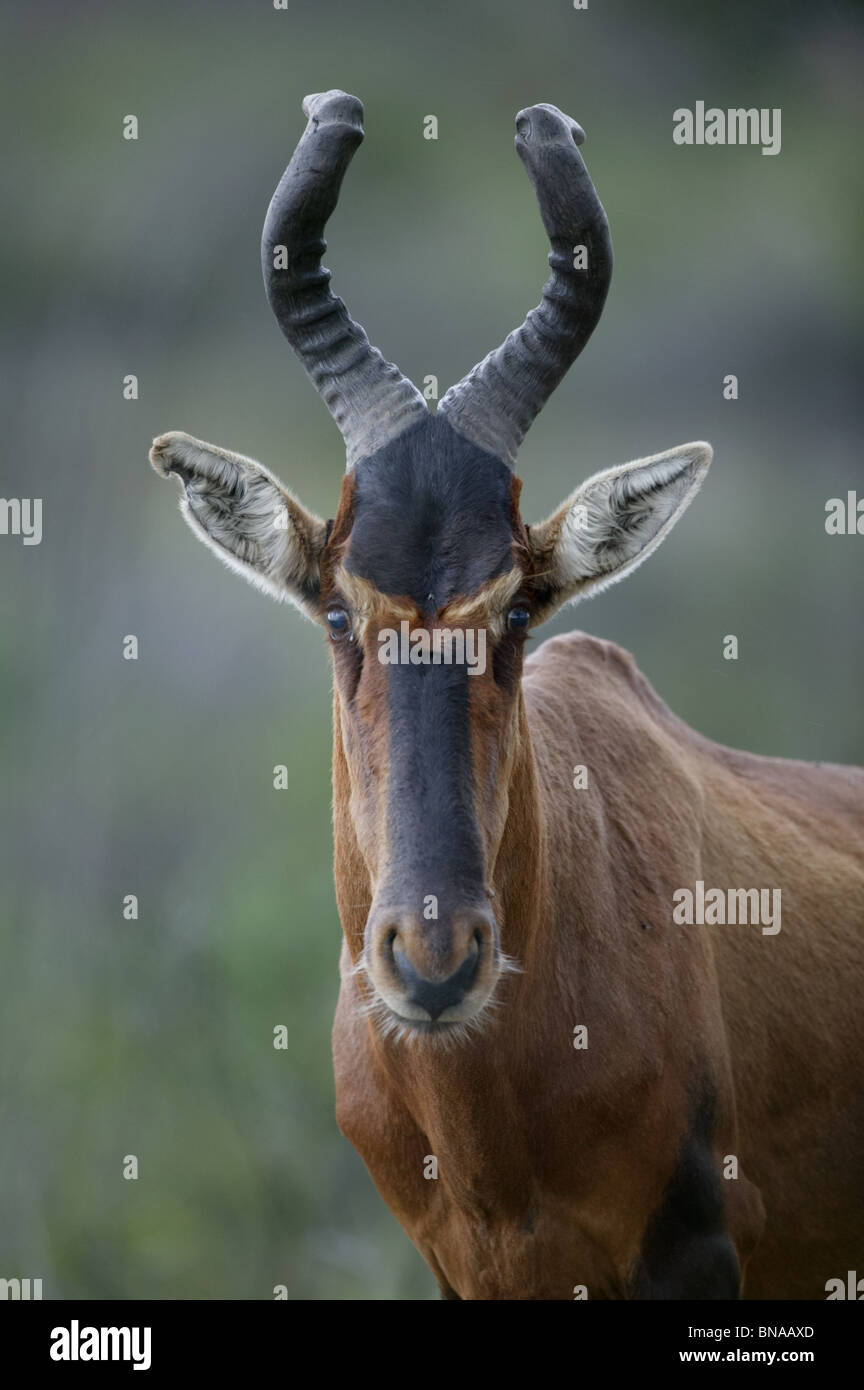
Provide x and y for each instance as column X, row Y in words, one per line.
column 709, row 1119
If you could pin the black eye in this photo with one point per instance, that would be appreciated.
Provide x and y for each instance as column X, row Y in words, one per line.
column 338, row 622
column 518, row 619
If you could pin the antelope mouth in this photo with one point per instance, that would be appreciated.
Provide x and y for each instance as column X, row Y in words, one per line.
column 400, row 1026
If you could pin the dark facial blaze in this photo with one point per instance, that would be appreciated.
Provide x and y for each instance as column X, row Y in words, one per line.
column 428, row 533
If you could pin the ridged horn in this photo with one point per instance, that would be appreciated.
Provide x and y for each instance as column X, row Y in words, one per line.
column 495, row 404
column 369, row 398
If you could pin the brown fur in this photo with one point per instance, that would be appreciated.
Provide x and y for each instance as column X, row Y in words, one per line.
column 552, row 1161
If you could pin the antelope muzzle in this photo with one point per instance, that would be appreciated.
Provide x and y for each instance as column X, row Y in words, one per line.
column 431, row 974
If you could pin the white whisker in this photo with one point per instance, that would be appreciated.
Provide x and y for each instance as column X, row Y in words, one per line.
column 416, row 1033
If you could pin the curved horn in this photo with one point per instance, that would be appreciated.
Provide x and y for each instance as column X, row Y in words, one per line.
column 496, row 403
column 370, row 400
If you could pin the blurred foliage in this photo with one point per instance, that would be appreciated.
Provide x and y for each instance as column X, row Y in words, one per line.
column 155, row 1037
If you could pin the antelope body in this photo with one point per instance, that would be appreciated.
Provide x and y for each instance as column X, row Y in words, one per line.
column 704, row 1135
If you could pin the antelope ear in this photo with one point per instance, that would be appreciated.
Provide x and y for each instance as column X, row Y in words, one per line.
column 611, row 523
column 247, row 517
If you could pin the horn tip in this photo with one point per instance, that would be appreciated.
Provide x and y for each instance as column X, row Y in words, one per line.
column 544, row 124
column 333, row 108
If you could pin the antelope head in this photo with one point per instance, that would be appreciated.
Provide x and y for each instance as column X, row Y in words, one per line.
column 428, row 557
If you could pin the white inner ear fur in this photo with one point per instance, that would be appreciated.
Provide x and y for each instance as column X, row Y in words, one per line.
column 246, row 517
column 614, row 520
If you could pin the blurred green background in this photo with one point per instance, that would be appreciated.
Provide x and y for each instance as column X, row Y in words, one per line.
column 154, row 1037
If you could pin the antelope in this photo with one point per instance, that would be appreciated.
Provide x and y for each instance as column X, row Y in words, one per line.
column 558, row 1089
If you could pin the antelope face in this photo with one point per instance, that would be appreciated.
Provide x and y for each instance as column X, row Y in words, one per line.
column 426, row 596
column 427, row 581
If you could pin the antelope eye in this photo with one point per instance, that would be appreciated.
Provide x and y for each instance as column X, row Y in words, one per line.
column 338, row 622
column 518, row 619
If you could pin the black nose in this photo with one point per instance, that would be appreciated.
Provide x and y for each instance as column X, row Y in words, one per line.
column 436, row 995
